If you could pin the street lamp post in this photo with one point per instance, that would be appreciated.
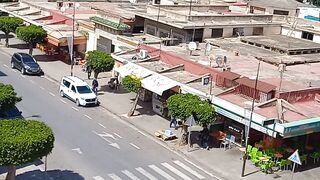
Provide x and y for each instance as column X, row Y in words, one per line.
column 250, row 120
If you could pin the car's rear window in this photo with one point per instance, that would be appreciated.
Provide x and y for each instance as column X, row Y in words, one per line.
column 84, row 89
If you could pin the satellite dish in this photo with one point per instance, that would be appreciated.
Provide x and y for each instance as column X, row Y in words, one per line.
column 219, row 60
column 192, row 46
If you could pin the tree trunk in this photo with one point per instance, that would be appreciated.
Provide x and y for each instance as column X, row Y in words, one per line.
column 11, row 173
column 30, row 48
column 7, row 39
column 95, row 74
column 184, row 137
column 133, row 108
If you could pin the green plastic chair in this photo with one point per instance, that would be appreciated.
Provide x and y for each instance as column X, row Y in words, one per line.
column 288, row 164
column 249, row 148
column 304, row 158
column 259, row 154
column 315, row 156
column 282, row 164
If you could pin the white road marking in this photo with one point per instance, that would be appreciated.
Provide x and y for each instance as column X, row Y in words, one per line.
column 101, row 125
column 115, row 145
column 134, row 145
column 117, row 135
column 200, row 168
column 77, row 150
column 98, row 178
column 52, row 94
column 103, row 136
column 142, row 133
column 32, row 81
column 63, row 101
column 195, row 173
column 41, row 87
column 161, row 172
column 5, row 65
column 130, row 175
column 176, row 171
column 114, row 177
column 49, row 79
column 88, row 116
column 145, row 173
column 14, row 70
column 75, row 108
column 23, row 76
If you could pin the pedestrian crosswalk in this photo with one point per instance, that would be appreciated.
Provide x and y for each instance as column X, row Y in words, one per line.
column 174, row 170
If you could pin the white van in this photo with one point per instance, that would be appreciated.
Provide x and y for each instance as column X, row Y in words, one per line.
column 78, row 91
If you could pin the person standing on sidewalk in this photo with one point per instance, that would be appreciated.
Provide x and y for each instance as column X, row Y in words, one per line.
column 95, row 85
column 89, row 70
column 204, row 135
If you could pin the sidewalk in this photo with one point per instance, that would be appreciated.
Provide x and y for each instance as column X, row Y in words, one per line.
column 222, row 163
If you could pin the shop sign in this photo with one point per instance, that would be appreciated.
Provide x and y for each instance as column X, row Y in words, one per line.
column 302, row 129
column 245, row 121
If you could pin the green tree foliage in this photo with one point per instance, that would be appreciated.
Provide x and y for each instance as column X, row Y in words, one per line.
column 9, row 25
column 99, row 61
column 183, row 106
column 316, row 2
column 8, row 97
column 23, row 141
column 131, row 83
column 31, row 34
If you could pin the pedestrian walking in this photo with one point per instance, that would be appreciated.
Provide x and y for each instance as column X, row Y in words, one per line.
column 95, row 85
column 173, row 122
column 89, row 70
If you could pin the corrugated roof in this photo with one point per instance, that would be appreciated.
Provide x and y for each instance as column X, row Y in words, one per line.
column 229, row 75
column 261, row 86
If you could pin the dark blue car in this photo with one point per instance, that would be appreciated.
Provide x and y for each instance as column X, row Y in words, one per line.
column 25, row 63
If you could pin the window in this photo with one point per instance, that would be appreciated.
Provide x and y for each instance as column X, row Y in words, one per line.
column 216, row 33
column 151, row 30
column 17, row 57
column 257, row 31
column 73, row 89
column 84, row 89
column 237, row 32
column 279, row 12
column 307, row 35
column 66, row 83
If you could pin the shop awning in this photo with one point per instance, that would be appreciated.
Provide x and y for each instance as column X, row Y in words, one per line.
column 133, row 69
column 158, row 83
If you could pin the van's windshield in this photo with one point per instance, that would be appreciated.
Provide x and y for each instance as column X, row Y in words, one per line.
column 84, row 89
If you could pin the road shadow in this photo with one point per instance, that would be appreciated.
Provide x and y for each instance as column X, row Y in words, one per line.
column 3, row 74
column 46, row 58
column 19, row 46
column 51, row 174
column 2, row 36
column 106, row 88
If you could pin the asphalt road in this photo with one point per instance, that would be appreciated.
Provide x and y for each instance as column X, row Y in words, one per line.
column 92, row 143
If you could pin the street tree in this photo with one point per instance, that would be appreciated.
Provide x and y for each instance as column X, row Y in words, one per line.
column 8, row 97
column 31, row 34
column 9, row 25
column 99, row 61
column 182, row 106
column 23, row 141
column 132, row 84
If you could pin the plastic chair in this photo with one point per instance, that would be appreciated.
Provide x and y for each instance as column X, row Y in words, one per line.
column 315, row 156
column 282, row 164
column 303, row 159
column 249, row 148
column 288, row 164
column 232, row 141
column 225, row 143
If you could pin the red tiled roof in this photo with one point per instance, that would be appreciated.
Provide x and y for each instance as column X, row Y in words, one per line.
column 229, row 75
column 261, row 86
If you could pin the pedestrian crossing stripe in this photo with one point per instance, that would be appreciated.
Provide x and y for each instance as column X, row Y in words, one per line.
column 295, row 157
column 164, row 175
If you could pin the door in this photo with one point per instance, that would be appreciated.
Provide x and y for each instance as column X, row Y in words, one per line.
column 73, row 93
column 18, row 61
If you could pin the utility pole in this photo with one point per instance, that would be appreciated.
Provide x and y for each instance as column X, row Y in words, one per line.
column 250, row 120
column 72, row 41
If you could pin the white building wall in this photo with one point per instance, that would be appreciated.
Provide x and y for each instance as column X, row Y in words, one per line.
column 295, row 33
column 227, row 32
column 316, row 38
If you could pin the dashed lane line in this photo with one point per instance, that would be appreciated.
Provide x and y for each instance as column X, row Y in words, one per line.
column 23, row 76
column 75, row 109
column 88, row 116
column 52, row 94
column 142, row 133
column 41, row 87
column 98, row 178
column 5, row 65
column 63, row 101
column 134, row 146
column 117, row 135
column 101, row 125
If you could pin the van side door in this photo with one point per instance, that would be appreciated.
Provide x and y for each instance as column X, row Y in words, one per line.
column 73, row 92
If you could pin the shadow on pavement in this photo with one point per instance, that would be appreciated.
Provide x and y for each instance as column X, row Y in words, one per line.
column 2, row 36
column 46, row 58
column 106, row 88
column 52, row 174
column 19, row 46
column 2, row 74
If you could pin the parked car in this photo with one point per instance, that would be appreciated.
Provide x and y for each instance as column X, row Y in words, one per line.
column 25, row 63
column 78, row 91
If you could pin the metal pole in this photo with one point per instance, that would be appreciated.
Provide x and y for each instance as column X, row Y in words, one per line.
column 292, row 173
column 250, row 120
column 190, row 8
column 189, row 136
column 72, row 44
